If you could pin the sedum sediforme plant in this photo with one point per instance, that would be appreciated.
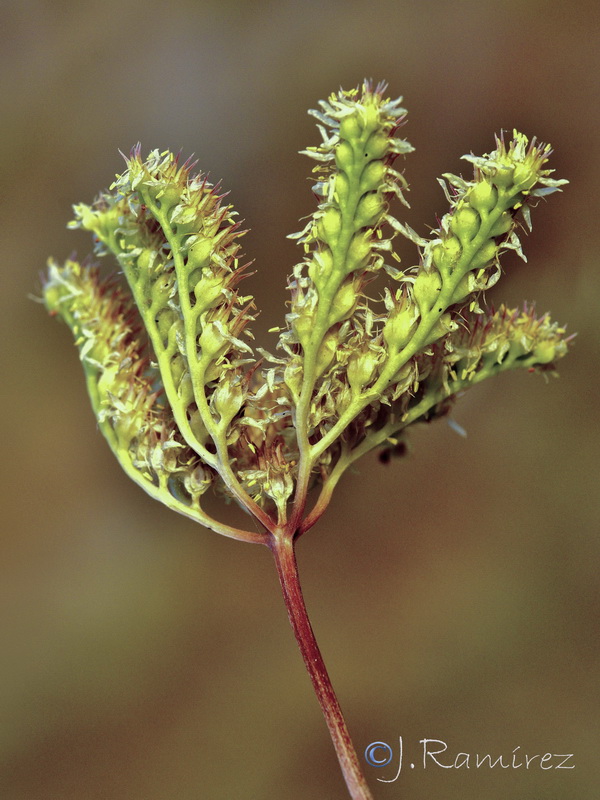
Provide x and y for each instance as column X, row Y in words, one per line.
column 173, row 381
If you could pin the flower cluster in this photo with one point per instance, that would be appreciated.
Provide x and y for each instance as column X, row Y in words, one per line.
column 124, row 387
column 171, row 373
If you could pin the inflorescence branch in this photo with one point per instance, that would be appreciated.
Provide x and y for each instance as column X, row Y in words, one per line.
column 170, row 370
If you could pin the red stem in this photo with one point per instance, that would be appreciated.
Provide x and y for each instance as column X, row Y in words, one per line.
column 285, row 559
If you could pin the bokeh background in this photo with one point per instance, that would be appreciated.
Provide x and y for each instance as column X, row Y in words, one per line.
column 455, row 593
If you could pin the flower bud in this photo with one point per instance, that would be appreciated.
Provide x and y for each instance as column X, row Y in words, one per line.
column 190, row 225
column 321, row 265
column 371, row 116
column 53, row 295
column 526, row 175
column 127, row 425
column 103, row 222
column 167, row 197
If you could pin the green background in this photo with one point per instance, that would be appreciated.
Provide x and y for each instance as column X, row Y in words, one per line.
column 455, row 594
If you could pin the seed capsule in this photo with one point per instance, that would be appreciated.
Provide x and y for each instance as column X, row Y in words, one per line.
column 146, row 259
column 185, row 390
column 372, row 176
column 376, row 146
column 343, row 303
column 208, row 292
column 526, row 175
column 329, row 226
column 350, row 127
column 344, row 156
column 399, row 328
column 503, row 177
column 426, row 289
column 302, row 327
column 483, row 196
column 369, row 211
column 362, row 368
column 484, row 256
column 465, row 223
column 502, row 225
column 326, row 353
column 447, row 254
column 161, row 290
column 197, row 481
column 165, row 320
column 544, row 352
column 358, row 252
column 464, row 288
column 167, row 198
column 342, row 188
column 227, row 399
column 443, row 326
column 212, row 341
column 292, row 376
column 199, row 254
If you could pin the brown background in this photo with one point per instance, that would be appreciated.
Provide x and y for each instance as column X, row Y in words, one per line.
column 455, row 594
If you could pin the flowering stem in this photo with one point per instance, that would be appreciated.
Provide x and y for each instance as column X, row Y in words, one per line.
column 282, row 548
column 198, row 372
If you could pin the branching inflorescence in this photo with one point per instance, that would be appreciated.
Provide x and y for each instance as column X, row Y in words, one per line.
column 172, row 377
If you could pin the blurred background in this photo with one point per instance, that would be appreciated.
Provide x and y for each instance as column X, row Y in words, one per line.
column 455, row 593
